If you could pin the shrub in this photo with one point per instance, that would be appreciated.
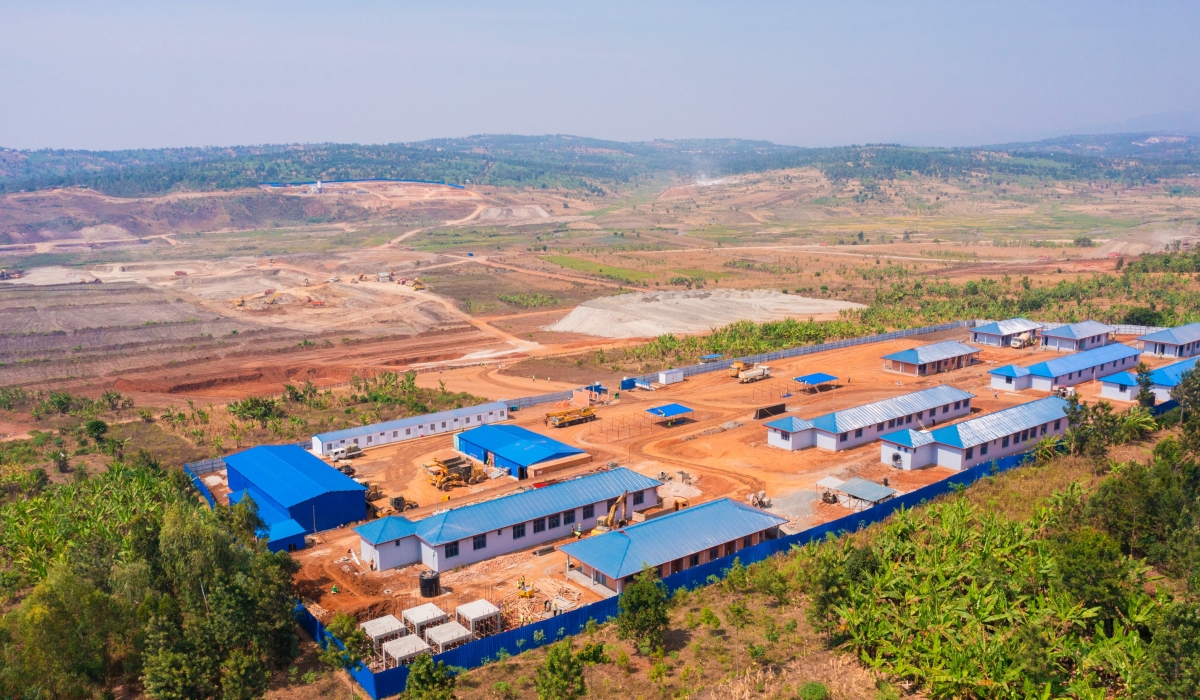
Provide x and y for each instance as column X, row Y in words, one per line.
column 813, row 690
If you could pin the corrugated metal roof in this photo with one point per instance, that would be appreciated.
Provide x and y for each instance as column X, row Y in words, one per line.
column 1010, row 371
column 1083, row 360
column 909, row 438
column 1120, row 379
column 514, row 443
column 477, row 518
column 1083, row 329
column 288, row 474
column 887, row 409
column 1179, row 335
column 664, row 539
column 1170, row 375
column 815, row 378
column 994, row 426
column 279, row 524
column 935, row 352
column 393, row 527
column 410, row 422
column 671, row 409
column 789, row 424
column 866, row 490
column 1011, row 326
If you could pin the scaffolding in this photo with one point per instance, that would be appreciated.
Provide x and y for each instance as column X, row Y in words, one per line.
column 624, row 428
column 771, row 391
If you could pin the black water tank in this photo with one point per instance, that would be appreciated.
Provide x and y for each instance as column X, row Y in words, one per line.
column 431, row 584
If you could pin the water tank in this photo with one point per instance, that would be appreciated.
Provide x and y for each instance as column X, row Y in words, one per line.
column 431, row 584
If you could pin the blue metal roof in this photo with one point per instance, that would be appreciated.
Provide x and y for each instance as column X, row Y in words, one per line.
column 669, row 537
column 1083, row 360
column 1010, row 371
column 815, row 378
column 936, row 352
column 714, row 356
column 670, row 410
column 518, row 445
column 410, row 422
column 477, row 518
column 994, row 426
column 1121, row 379
column 393, row 527
column 288, row 474
column 908, row 438
column 1011, row 326
column 1179, row 335
column 1169, row 375
column 887, row 409
column 1083, row 329
column 866, row 490
column 279, row 525
column 283, row 530
column 789, row 424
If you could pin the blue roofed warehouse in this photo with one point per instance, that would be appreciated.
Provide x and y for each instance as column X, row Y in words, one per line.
column 522, row 452
column 295, row 492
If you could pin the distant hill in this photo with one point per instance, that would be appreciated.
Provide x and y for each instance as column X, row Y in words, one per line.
column 573, row 162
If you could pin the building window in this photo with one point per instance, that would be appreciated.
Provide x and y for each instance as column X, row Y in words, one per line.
column 539, row 525
column 443, row 424
column 518, row 531
column 891, row 423
column 569, row 517
column 610, row 503
column 1056, row 423
column 639, row 498
column 908, row 418
column 467, row 419
column 919, row 414
column 589, row 511
column 1005, row 444
column 748, row 540
column 970, row 452
column 983, row 449
column 858, row 433
column 843, row 436
column 946, row 408
column 1008, row 380
column 1123, row 388
column 1043, row 430
column 452, row 550
column 879, row 427
column 694, row 560
column 554, row 521
column 408, row 431
column 956, row 405
column 479, row 541
column 714, row 553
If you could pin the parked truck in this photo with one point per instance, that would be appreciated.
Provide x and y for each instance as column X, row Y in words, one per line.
column 739, row 366
column 753, row 375
column 561, row 419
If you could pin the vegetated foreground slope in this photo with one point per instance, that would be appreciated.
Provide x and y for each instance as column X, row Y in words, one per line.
column 566, row 161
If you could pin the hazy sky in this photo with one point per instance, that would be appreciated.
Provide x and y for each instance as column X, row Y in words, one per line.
column 121, row 75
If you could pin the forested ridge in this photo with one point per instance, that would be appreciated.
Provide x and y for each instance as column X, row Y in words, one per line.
column 593, row 165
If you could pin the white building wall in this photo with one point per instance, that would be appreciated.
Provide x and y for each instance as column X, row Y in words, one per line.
column 389, row 555
column 1170, row 349
column 927, row 419
column 434, row 424
column 1118, row 392
column 997, row 448
column 1041, row 383
column 501, row 542
column 1017, row 383
column 789, row 441
column 949, row 457
column 990, row 339
column 910, row 457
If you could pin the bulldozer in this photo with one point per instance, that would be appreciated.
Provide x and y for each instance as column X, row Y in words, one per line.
column 738, row 367
column 446, row 474
column 561, row 419
column 241, row 302
column 607, row 522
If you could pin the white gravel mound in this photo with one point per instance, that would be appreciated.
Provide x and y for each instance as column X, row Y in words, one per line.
column 649, row 314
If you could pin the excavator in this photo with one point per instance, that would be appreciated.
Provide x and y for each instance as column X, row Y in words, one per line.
column 446, row 474
column 738, row 367
column 607, row 522
column 274, row 299
column 561, row 419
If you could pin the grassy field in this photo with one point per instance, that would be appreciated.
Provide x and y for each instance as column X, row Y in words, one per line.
column 621, row 274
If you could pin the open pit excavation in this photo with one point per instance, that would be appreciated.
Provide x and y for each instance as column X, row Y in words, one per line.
column 648, row 314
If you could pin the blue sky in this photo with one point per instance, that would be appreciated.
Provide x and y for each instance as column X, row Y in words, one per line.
column 123, row 75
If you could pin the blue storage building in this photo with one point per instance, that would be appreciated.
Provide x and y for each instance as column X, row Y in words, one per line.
column 296, row 493
column 511, row 447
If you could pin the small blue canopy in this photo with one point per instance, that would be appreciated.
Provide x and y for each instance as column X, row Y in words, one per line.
column 669, row 411
column 816, row 378
column 716, row 356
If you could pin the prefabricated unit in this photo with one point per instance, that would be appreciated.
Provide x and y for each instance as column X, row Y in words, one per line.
column 403, row 650
column 670, row 376
column 856, row 426
column 671, row 543
column 1010, row 377
column 383, row 629
column 1075, row 337
column 424, row 615
column 512, row 447
column 1123, row 386
column 1180, row 341
column 921, row 361
column 409, row 428
column 1082, row 366
column 977, row 440
column 481, row 616
column 1002, row 333
column 488, row 529
column 295, row 492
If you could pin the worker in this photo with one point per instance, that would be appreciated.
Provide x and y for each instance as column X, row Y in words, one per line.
column 335, row 589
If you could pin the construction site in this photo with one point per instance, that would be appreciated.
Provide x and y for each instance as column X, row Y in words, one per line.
column 701, row 439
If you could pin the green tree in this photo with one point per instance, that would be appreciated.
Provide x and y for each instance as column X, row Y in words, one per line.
column 1172, row 670
column 1145, row 397
column 95, row 429
column 560, row 677
column 244, row 676
column 428, row 680
column 1091, row 567
column 356, row 646
column 642, row 610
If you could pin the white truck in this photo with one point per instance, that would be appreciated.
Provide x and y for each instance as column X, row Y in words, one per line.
column 753, row 375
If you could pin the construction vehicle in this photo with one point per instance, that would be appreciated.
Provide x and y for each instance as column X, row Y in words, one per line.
column 274, row 299
column 574, row 416
column 345, row 452
column 524, row 590
column 446, row 474
column 738, row 367
column 607, row 522
column 401, row 504
column 241, row 302
column 758, row 499
column 305, row 281
column 333, row 279
column 374, row 493
column 753, row 375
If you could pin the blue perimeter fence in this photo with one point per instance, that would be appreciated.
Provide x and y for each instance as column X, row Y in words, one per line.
column 692, row 370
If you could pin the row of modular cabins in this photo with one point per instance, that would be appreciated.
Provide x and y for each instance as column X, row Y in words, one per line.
column 1068, row 370
column 1071, row 337
column 976, row 440
column 841, row 430
column 1123, row 386
column 410, row 428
